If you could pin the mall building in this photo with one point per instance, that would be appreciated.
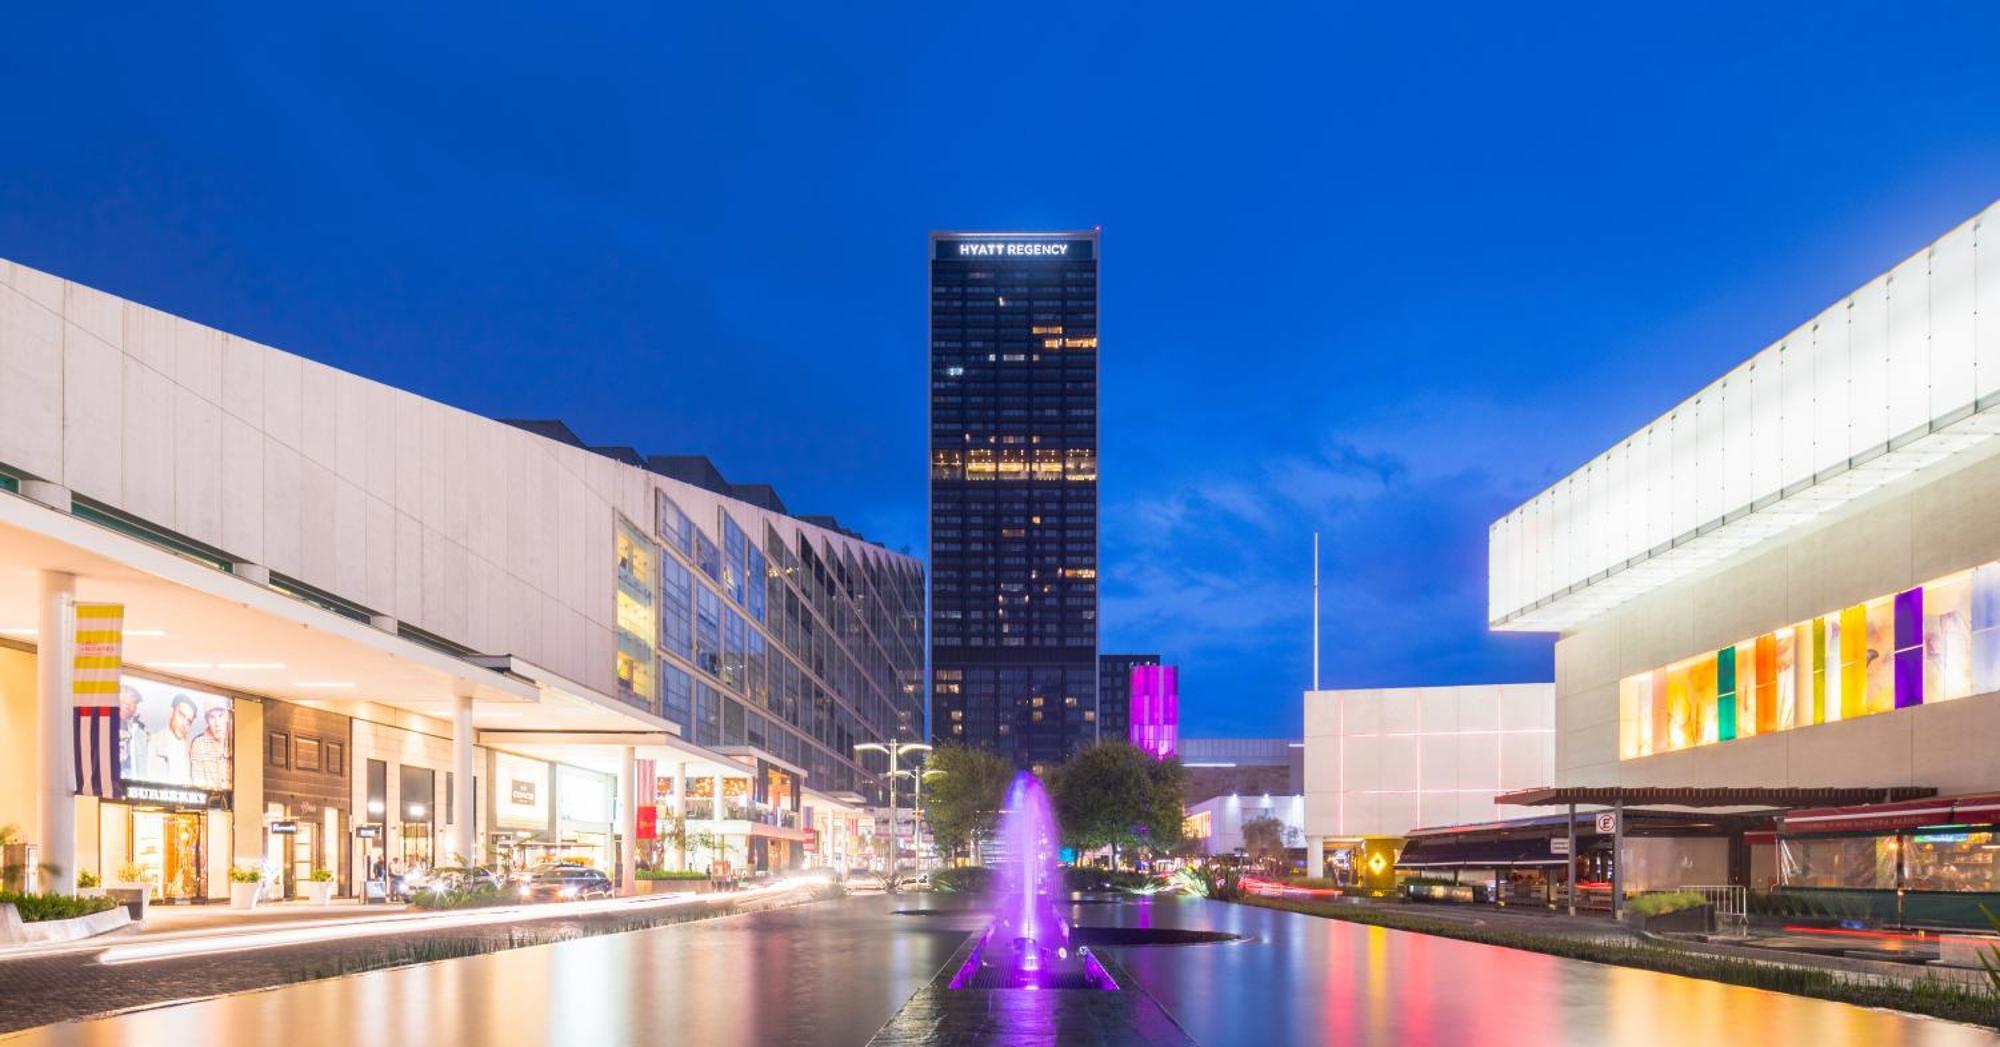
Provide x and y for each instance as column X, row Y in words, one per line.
column 359, row 624
column 1778, row 604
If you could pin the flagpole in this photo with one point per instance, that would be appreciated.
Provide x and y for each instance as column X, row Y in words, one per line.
column 1315, row 610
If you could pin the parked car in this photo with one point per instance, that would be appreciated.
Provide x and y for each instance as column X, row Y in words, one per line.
column 567, row 883
column 865, row 882
column 454, row 878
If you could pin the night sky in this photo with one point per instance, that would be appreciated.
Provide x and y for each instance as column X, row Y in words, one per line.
column 1383, row 273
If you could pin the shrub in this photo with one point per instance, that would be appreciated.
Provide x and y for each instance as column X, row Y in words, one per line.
column 474, row 897
column 239, row 874
column 671, row 874
column 321, row 876
column 1314, row 882
column 86, row 878
column 968, row 879
column 1089, row 878
column 132, row 872
column 35, row 908
column 1660, row 903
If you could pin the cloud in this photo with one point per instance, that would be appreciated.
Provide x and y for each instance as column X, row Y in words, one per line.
column 1215, row 573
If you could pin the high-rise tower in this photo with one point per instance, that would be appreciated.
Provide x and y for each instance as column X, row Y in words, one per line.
column 1013, row 366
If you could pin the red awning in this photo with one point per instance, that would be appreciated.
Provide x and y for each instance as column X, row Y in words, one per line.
column 1983, row 809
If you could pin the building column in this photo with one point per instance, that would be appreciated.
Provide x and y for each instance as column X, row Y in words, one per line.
column 1618, row 859
column 1316, row 856
column 715, row 812
column 628, row 821
column 680, row 813
column 55, row 657
column 462, row 830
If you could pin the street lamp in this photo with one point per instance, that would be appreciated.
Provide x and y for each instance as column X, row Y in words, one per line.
column 895, row 753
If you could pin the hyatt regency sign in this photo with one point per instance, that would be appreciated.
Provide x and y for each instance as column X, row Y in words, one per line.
column 975, row 250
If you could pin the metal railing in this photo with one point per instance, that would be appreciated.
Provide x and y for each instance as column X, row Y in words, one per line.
column 1732, row 907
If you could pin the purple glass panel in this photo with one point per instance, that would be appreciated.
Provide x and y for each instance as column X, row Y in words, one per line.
column 1909, row 647
column 1156, row 710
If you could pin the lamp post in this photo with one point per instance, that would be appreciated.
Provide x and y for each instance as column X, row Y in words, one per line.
column 895, row 753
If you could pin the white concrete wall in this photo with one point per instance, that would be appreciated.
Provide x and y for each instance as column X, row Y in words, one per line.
column 1915, row 348
column 1385, row 761
column 476, row 531
column 1926, row 527
column 1228, row 813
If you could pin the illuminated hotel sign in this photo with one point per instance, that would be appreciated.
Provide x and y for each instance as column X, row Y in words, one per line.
column 976, row 250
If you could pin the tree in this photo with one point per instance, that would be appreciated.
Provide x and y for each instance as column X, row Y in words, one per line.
column 1266, row 839
column 1116, row 795
column 964, row 789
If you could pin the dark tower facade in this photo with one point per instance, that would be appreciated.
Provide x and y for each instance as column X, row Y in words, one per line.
column 1013, row 494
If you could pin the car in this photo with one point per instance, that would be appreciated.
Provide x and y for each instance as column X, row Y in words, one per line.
column 462, row 879
column 865, row 882
column 565, row 883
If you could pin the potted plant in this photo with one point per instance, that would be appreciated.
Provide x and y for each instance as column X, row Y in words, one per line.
column 131, row 887
column 244, row 885
column 87, row 885
column 319, row 888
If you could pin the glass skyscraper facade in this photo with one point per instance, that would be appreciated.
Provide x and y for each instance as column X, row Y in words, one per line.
column 1013, row 440
column 1114, row 693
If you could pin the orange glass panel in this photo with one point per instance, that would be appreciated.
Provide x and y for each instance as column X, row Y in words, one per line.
column 1853, row 662
column 1767, row 683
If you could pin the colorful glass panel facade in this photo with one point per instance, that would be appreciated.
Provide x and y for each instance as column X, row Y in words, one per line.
column 1927, row 644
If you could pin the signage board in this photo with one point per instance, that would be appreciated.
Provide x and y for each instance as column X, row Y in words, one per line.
column 1023, row 248
column 367, row 832
column 285, row 828
column 1607, row 822
column 175, row 795
column 1559, row 845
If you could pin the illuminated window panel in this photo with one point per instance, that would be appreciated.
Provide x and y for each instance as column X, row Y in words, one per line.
column 1931, row 643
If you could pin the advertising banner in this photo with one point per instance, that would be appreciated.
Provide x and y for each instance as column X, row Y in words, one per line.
column 175, row 736
column 99, row 639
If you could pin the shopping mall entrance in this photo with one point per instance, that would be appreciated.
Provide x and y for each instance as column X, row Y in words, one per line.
column 172, row 848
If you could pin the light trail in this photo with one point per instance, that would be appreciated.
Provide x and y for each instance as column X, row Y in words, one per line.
column 279, row 937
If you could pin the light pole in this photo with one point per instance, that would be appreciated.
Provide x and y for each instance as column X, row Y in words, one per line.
column 895, row 828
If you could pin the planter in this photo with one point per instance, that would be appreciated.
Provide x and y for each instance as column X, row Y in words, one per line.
column 244, row 895
column 1697, row 920
column 132, row 895
column 318, row 892
column 15, row 932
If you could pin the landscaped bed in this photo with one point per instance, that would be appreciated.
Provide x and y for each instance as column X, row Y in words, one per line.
column 1940, row 999
column 34, row 908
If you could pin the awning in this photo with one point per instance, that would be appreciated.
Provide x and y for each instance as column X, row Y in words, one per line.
column 1981, row 809
column 1444, row 853
column 1710, row 795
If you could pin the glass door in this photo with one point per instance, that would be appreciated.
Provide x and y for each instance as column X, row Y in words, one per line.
column 305, row 857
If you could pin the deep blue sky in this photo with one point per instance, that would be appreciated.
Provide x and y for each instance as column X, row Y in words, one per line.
column 1379, row 272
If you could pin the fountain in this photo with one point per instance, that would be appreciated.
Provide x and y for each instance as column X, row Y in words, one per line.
column 1028, row 945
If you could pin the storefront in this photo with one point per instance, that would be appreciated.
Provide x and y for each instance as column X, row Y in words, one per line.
column 176, row 760
column 521, row 810
column 584, row 830
column 306, row 796
column 403, row 786
column 1921, row 862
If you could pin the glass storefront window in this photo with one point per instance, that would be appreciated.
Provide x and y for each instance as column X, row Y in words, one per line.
column 1952, row 861
column 1858, row 861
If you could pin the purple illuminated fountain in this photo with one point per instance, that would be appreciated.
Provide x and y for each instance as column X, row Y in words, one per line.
column 1027, row 946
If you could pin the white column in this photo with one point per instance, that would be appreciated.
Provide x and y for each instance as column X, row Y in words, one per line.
column 681, row 812
column 1315, row 856
column 462, row 829
column 719, row 851
column 628, row 821
column 55, row 655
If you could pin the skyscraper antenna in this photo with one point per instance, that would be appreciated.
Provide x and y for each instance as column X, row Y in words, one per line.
column 1315, row 610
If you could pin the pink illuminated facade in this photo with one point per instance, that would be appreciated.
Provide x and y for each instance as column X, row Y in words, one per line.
column 1156, row 710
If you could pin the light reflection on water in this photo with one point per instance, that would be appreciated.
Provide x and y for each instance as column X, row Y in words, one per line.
column 833, row 973
column 1304, row 980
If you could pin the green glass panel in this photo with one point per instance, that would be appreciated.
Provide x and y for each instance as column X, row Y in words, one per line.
column 1725, row 693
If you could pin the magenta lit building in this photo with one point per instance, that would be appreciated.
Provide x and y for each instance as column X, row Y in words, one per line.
column 1156, row 709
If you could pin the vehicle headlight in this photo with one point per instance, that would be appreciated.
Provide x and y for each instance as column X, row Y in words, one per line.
column 526, row 891
column 569, row 892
